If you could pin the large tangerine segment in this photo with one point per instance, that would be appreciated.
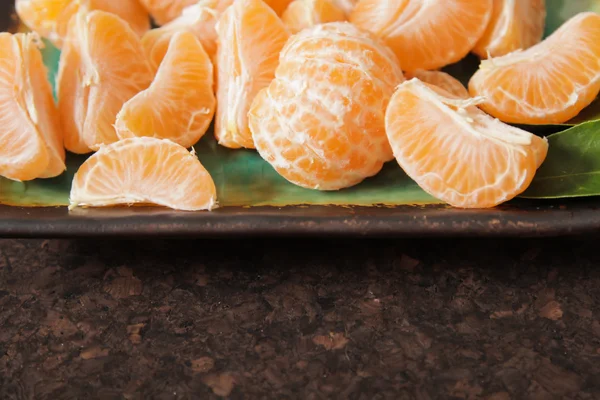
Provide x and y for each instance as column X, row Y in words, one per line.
column 50, row 18
column 320, row 123
column 515, row 25
column 425, row 34
column 143, row 171
column 180, row 103
column 250, row 39
column 455, row 151
column 550, row 82
column 442, row 80
column 302, row 14
column 102, row 66
column 23, row 154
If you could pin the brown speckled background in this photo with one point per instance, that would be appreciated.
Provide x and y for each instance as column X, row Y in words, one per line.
column 299, row 319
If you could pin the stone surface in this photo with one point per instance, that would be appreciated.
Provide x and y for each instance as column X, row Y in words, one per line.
column 299, row 319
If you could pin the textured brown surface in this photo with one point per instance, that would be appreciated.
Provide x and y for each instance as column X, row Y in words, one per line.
column 276, row 319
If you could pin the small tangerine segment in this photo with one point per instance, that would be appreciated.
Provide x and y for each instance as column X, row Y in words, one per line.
column 515, row 25
column 179, row 104
column 251, row 37
column 456, row 152
column 143, row 170
column 425, row 34
column 550, row 82
column 320, row 123
column 101, row 67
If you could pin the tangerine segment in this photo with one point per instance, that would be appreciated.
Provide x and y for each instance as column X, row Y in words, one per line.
column 455, row 151
column 346, row 5
column 425, row 34
column 441, row 80
column 550, row 82
column 30, row 136
column 250, row 39
column 102, row 66
column 320, row 123
column 515, row 25
column 50, row 18
column 164, row 11
column 180, row 103
column 145, row 171
column 302, row 14
column 200, row 19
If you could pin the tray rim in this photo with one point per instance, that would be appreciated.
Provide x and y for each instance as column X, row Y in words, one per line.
column 525, row 219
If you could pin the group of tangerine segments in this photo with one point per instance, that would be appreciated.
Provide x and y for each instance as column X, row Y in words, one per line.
column 326, row 91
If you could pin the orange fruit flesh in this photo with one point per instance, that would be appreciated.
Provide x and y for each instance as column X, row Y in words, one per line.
column 31, row 143
column 320, row 122
column 251, row 37
column 441, row 80
column 455, row 151
column 425, row 34
column 102, row 66
column 50, row 18
column 550, row 82
column 143, row 171
column 200, row 19
column 180, row 104
column 515, row 25
column 164, row 11
column 302, row 14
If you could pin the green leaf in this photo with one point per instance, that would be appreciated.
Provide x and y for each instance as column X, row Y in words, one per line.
column 572, row 167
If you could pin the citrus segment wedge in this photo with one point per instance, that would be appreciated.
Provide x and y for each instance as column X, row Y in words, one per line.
column 456, row 152
column 50, row 18
column 143, row 171
column 101, row 67
column 442, row 80
column 550, row 82
column 250, row 39
column 425, row 34
column 180, row 103
column 30, row 136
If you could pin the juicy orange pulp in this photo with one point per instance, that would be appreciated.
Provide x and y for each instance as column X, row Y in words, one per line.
column 550, row 82
column 320, row 123
column 180, row 104
column 101, row 67
column 143, row 171
column 50, row 18
column 455, row 151
column 425, row 34
column 250, row 39
column 515, row 25
column 302, row 14
column 31, row 135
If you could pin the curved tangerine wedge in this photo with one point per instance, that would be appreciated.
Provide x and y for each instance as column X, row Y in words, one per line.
column 101, row 67
column 302, row 14
column 180, row 103
column 515, row 25
column 425, row 34
column 250, row 39
column 199, row 19
column 550, row 82
column 346, row 5
column 50, row 18
column 456, row 152
column 320, row 123
column 442, row 80
column 143, row 171
column 31, row 142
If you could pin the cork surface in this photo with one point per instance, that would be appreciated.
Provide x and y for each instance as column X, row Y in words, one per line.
column 323, row 319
